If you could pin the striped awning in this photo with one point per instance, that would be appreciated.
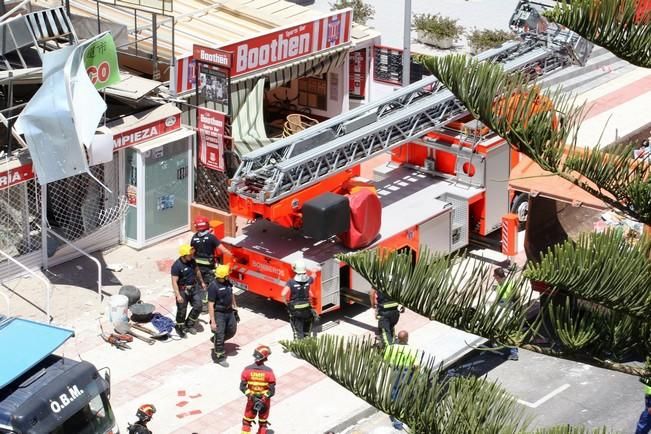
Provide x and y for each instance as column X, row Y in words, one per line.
column 247, row 95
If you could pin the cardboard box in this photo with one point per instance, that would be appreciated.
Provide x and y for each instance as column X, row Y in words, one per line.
column 227, row 219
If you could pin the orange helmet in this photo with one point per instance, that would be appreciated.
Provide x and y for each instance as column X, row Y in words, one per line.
column 261, row 353
column 201, row 223
column 145, row 412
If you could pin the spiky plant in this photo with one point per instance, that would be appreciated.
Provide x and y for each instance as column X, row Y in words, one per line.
column 427, row 400
column 620, row 26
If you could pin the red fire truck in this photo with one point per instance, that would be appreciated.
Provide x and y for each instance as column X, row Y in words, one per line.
column 448, row 177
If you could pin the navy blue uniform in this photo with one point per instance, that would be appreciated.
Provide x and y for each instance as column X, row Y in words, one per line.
column 387, row 318
column 205, row 243
column 189, row 289
column 220, row 292
column 300, row 308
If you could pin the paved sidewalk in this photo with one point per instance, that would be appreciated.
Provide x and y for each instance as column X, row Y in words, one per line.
column 190, row 392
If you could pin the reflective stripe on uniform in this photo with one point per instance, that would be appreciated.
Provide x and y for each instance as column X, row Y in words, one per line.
column 301, row 305
column 203, row 261
column 257, row 383
column 388, row 305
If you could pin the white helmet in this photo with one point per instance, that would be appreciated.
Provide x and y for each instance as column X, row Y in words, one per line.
column 299, row 267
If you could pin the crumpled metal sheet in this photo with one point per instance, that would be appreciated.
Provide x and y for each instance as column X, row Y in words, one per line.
column 61, row 118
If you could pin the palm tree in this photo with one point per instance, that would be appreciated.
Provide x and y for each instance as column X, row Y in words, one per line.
column 599, row 307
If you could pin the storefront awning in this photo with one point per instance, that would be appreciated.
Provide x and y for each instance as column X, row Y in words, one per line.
column 305, row 67
column 248, row 95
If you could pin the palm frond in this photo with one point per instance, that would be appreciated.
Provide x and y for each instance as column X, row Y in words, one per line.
column 604, row 268
column 451, row 289
column 541, row 124
column 427, row 402
column 613, row 24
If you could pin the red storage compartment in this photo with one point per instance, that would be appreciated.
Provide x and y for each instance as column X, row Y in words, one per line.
column 365, row 219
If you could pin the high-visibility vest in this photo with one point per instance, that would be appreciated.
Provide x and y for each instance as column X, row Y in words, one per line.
column 506, row 291
column 647, row 390
column 401, row 355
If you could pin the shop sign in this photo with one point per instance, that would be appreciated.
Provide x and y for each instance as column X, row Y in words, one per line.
column 274, row 48
column 146, row 132
column 16, row 176
column 357, row 73
column 101, row 62
column 211, row 125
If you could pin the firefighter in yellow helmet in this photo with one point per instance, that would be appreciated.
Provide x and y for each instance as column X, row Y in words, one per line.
column 222, row 309
column 187, row 283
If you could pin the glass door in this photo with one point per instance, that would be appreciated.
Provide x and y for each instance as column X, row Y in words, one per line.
column 166, row 188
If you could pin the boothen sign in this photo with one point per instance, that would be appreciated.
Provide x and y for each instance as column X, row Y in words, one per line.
column 274, row 48
column 212, row 55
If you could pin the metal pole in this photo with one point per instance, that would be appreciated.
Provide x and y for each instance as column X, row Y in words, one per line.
column 406, row 45
column 99, row 24
column 155, row 74
column 135, row 26
column 44, row 225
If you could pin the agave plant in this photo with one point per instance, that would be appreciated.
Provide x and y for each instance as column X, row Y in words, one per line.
column 429, row 402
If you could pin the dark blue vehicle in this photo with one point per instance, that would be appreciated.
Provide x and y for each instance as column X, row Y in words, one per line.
column 42, row 393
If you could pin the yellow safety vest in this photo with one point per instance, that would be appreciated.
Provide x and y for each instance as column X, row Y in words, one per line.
column 647, row 390
column 401, row 355
column 506, row 291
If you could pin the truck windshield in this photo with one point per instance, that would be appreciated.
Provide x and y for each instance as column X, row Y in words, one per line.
column 96, row 417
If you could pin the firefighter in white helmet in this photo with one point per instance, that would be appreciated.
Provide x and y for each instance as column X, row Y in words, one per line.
column 297, row 295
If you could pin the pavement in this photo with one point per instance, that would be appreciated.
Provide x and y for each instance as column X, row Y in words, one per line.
column 191, row 394
column 552, row 391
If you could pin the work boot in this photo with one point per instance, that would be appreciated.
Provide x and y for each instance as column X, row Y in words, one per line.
column 198, row 327
column 220, row 360
column 180, row 330
column 191, row 329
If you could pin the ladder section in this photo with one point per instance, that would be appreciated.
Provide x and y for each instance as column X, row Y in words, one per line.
column 258, row 166
column 401, row 124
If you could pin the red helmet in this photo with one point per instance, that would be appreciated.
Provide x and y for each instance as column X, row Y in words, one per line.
column 201, row 223
column 261, row 353
column 145, row 412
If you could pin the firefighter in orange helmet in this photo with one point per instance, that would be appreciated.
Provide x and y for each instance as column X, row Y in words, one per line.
column 258, row 383
column 205, row 245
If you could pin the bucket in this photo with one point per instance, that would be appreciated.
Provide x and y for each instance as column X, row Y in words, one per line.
column 118, row 309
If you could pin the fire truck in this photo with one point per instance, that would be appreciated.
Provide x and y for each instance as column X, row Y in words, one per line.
column 447, row 178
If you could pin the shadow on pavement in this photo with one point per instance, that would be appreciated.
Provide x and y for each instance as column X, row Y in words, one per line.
column 82, row 272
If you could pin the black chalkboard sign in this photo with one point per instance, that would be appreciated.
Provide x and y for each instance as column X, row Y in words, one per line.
column 387, row 66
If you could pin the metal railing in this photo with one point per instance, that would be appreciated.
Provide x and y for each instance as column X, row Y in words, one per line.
column 48, row 285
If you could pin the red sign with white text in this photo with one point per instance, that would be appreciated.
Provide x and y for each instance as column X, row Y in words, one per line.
column 357, row 73
column 211, row 125
column 146, row 132
column 16, row 176
column 274, row 48
column 212, row 55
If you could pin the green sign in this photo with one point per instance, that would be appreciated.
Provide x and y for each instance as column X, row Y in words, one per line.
column 101, row 62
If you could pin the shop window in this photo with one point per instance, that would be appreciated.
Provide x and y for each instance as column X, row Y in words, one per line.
column 313, row 92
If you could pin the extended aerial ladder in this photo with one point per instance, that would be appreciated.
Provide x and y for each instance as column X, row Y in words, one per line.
column 449, row 186
column 270, row 180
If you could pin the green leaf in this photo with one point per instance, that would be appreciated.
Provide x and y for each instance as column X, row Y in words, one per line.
column 615, row 25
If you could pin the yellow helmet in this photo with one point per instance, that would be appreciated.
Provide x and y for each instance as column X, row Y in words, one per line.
column 222, row 271
column 185, row 249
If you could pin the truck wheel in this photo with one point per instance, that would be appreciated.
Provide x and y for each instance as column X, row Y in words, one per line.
column 520, row 206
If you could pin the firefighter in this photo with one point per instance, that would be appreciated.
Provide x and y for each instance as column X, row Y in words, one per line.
column 144, row 415
column 297, row 294
column 387, row 313
column 205, row 245
column 185, row 280
column 258, row 383
column 222, row 309
column 403, row 359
